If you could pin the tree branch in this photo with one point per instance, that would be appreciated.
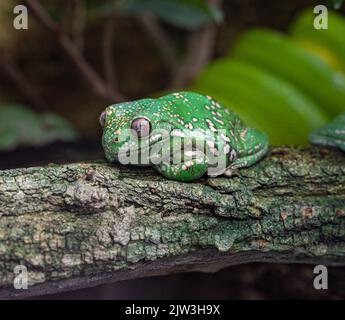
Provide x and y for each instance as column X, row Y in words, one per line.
column 89, row 75
column 23, row 85
column 79, row 22
column 81, row 225
column 108, row 58
column 200, row 47
column 160, row 39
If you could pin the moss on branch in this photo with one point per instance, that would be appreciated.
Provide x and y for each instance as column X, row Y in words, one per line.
column 79, row 225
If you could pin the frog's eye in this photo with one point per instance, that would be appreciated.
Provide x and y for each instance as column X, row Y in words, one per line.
column 102, row 119
column 141, row 127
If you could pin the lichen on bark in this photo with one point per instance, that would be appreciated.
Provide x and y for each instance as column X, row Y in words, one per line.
column 83, row 224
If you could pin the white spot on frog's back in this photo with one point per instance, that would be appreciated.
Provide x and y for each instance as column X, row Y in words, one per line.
column 243, row 133
column 178, row 95
column 179, row 120
column 189, row 126
column 209, row 122
column 218, row 120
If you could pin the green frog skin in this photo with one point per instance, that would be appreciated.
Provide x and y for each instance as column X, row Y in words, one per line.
column 333, row 134
column 182, row 115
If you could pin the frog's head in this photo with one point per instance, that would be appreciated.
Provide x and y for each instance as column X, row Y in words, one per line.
column 127, row 126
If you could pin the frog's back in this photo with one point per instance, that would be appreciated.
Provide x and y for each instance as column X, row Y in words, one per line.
column 194, row 110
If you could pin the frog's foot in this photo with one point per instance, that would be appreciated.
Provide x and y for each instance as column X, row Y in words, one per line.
column 185, row 171
column 332, row 134
column 254, row 148
column 330, row 141
column 229, row 172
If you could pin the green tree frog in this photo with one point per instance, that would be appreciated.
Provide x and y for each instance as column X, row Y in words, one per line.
column 183, row 135
column 333, row 134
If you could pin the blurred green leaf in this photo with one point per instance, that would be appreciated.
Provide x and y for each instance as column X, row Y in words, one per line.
column 57, row 128
column 7, row 139
column 281, row 56
column 276, row 85
column 20, row 126
column 188, row 14
column 262, row 99
column 329, row 44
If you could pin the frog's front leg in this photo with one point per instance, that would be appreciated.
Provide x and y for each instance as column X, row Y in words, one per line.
column 252, row 147
column 184, row 171
column 333, row 134
column 184, row 164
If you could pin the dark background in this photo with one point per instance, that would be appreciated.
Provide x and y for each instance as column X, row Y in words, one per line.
column 142, row 73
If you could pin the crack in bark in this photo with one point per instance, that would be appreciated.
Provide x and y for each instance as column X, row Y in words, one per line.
column 80, row 225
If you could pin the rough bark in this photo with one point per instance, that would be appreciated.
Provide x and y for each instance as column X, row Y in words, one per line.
column 80, row 225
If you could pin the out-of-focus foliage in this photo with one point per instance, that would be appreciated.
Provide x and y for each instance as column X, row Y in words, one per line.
column 188, row 14
column 285, row 85
column 329, row 43
column 278, row 54
column 19, row 126
column 337, row 3
column 278, row 83
column 262, row 99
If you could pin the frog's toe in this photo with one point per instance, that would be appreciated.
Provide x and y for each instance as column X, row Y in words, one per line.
column 255, row 147
column 185, row 171
column 255, row 142
column 228, row 173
